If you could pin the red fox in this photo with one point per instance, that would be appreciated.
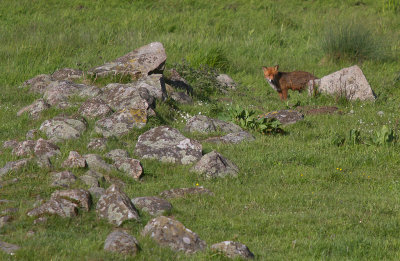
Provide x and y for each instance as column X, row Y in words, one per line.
column 282, row 81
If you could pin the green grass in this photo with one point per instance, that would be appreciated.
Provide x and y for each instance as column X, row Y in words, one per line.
column 291, row 201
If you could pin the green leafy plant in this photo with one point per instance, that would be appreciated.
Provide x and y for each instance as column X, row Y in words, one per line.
column 248, row 120
column 383, row 136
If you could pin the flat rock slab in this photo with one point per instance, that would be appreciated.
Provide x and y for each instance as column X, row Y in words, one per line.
column 155, row 206
column 232, row 138
column 121, row 122
column 214, row 165
column 35, row 109
column 78, row 196
column 284, row 116
column 233, row 249
column 95, row 108
column 13, row 166
column 116, row 207
column 168, row 145
column 172, row 233
column 55, row 206
column 183, row 192
column 132, row 167
column 349, row 83
column 145, row 60
column 122, row 242
column 63, row 128
column 39, row 148
column 8, row 248
column 204, row 124
column 316, row 110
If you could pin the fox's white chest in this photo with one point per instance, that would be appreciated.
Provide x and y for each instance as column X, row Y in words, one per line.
column 272, row 84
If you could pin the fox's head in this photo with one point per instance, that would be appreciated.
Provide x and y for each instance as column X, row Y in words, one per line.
column 270, row 74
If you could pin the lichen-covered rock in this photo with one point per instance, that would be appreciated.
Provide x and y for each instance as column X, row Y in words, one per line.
column 78, row 196
column 8, row 248
column 233, row 249
column 92, row 178
column 32, row 134
column 168, row 145
column 96, row 162
column 44, row 148
column 155, row 84
column 225, row 81
column 127, row 96
column 39, row 83
column 284, row 116
column 97, row 144
column 13, row 166
column 214, row 165
column 67, row 74
column 183, row 192
column 130, row 166
column 35, row 109
column 97, row 192
column 145, row 60
column 63, row 128
column 120, row 123
column 63, row 179
column 169, row 232
column 232, row 138
column 116, row 207
column 24, row 148
column 60, row 91
column 203, row 124
column 95, row 107
column 55, row 206
column 121, row 242
column 10, row 144
column 117, row 153
column 349, row 83
column 74, row 160
column 155, row 206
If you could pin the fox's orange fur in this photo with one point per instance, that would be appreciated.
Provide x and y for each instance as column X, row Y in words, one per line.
column 283, row 81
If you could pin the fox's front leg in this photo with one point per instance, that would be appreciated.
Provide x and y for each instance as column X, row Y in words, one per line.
column 284, row 95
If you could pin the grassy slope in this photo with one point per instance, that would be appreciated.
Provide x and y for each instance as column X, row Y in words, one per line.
column 289, row 189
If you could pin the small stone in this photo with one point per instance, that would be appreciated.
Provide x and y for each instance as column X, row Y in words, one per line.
column 380, row 113
column 117, row 153
column 32, row 134
column 95, row 107
column 120, row 241
column 233, row 249
column 155, row 206
column 97, row 144
column 284, row 116
column 132, row 167
column 4, row 220
column 182, row 98
column 225, row 81
column 75, row 160
column 63, row 179
column 10, row 144
column 40, row 220
column 204, row 124
column 63, row 128
column 214, row 165
column 8, row 248
column 44, row 148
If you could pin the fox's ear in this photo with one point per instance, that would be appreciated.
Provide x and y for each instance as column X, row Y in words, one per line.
column 276, row 67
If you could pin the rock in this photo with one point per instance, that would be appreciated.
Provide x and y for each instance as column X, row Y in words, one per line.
column 92, row 178
column 130, row 166
column 145, row 60
column 115, row 181
column 168, row 145
column 63, row 179
column 13, row 166
column 78, row 196
column 116, row 154
column 75, row 160
column 38, row 84
column 32, row 134
column 169, row 232
column 67, row 74
column 97, row 192
column 63, row 128
column 8, row 248
column 121, row 242
column 233, row 249
column 177, row 81
column 233, row 138
column 44, row 148
column 203, row 124
column 181, row 97
column 225, row 81
column 183, row 192
column 155, row 206
column 43, row 162
column 55, row 206
column 4, row 220
column 95, row 108
column 97, row 144
column 214, row 165
column 35, row 109
column 349, row 83
column 95, row 162
column 120, row 123
column 60, row 91
column 284, row 116
column 10, row 144
column 116, row 207
column 155, row 84
column 127, row 96
column 24, row 148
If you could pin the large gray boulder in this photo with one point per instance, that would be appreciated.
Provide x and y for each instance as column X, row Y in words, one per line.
column 63, row 128
column 127, row 96
column 214, row 165
column 121, row 242
column 172, row 233
column 349, row 83
column 155, row 206
column 204, row 124
column 116, row 207
column 145, row 60
column 233, row 249
column 168, row 145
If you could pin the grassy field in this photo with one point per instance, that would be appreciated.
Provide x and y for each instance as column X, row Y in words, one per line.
column 299, row 196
